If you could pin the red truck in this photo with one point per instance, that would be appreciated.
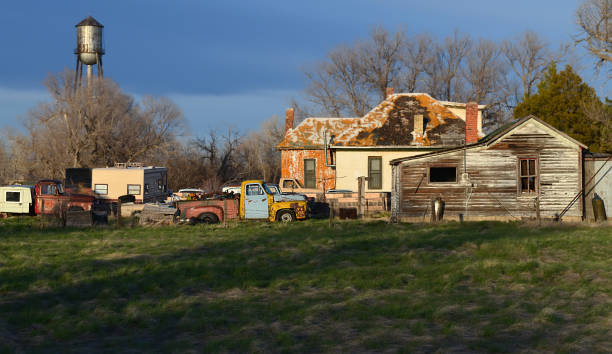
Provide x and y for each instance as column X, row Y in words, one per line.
column 50, row 198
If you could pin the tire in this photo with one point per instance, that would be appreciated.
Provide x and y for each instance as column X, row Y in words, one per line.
column 285, row 216
column 208, row 218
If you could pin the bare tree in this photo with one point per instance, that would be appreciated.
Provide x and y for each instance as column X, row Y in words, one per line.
column 259, row 153
column 95, row 125
column 444, row 71
column 380, row 59
column 418, row 54
column 594, row 18
column 528, row 56
column 221, row 161
column 601, row 113
column 323, row 91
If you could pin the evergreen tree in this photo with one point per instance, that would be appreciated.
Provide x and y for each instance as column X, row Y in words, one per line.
column 561, row 101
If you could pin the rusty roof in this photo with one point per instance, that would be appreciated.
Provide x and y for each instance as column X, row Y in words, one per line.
column 383, row 125
column 89, row 21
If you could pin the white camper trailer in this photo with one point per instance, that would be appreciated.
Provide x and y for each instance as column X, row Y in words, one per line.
column 16, row 199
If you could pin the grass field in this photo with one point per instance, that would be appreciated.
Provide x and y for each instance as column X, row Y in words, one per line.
column 359, row 287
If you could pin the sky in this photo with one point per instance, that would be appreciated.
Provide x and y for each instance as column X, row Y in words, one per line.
column 236, row 63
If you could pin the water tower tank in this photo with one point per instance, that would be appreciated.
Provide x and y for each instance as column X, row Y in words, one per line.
column 89, row 41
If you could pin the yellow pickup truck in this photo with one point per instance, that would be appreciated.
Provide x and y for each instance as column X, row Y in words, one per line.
column 257, row 200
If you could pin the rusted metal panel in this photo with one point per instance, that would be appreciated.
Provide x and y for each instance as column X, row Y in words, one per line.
column 493, row 188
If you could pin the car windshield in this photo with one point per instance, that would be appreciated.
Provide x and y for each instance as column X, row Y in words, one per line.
column 272, row 188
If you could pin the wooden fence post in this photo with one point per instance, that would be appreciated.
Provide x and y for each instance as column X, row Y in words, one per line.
column 42, row 213
column 360, row 196
column 537, row 205
column 118, row 212
column 331, row 214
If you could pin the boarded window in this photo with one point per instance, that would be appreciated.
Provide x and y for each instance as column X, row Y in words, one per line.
column 310, row 177
column 101, row 189
column 374, row 172
column 12, row 196
column 133, row 189
column 528, row 176
column 443, row 174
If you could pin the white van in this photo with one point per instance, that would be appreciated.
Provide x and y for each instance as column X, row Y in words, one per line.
column 17, row 199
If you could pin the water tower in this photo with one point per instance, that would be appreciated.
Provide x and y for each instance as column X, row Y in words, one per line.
column 90, row 48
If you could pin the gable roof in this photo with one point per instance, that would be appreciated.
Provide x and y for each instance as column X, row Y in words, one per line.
column 366, row 131
column 494, row 137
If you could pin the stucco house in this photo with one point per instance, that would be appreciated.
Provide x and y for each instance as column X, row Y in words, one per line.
column 328, row 153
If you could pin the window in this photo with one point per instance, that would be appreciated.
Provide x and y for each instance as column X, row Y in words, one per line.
column 288, row 184
column 374, row 172
column 254, row 189
column 101, row 189
column 310, row 177
column 133, row 189
column 528, row 176
column 48, row 189
column 12, row 196
column 443, row 174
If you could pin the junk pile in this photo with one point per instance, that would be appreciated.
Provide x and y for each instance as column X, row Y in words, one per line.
column 157, row 214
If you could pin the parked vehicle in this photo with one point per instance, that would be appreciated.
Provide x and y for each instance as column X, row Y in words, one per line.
column 17, row 199
column 291, row 185
column 51, row 198
column 146, row 183
column 257, row 200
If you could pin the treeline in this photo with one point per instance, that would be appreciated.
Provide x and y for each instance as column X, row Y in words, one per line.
column 98, row 125
column 353, row 79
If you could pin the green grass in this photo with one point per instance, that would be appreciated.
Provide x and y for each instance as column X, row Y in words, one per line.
column 260, row 287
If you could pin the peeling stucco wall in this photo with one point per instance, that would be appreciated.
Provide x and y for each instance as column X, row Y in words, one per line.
column 293, row 167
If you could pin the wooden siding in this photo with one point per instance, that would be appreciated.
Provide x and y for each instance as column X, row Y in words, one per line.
column 494, row 176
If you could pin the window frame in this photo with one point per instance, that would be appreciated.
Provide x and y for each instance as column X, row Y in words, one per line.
column 11, row 201
column 456, row 167
column 132, row 185
column 314, row 174
column 380, row 172
column 520, row 176
column 100, row 184
column 247, row 189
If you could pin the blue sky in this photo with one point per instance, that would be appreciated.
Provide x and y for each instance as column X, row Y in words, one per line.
column 235, row 63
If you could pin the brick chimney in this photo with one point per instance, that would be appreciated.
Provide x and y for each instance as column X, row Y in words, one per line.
column 471, row 122
column 288, row 119
column 389, row 92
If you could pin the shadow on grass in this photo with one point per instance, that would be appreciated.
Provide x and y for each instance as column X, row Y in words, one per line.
column 298, row 288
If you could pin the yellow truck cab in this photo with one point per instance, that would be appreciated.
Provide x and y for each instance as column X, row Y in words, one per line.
column 259, row 200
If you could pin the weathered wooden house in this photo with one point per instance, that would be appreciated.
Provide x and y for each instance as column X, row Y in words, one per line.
column 509, row 174
column 327, row 153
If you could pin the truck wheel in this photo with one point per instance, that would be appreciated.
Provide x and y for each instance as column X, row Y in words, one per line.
column 208, row 218
column 285, row 216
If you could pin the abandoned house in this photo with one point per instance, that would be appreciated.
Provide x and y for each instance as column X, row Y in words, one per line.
column 331, row 153
column 522, row 170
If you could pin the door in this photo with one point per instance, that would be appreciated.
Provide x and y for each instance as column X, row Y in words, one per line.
column 255, row 202
column 13, row 202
